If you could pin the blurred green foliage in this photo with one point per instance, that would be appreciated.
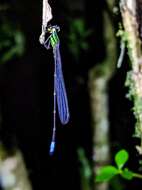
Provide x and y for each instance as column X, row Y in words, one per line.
column 77, row 37
column 12, row 41
column 86, row 171
column 116, row 184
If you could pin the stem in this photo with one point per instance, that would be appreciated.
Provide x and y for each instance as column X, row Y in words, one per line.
column 137, row 175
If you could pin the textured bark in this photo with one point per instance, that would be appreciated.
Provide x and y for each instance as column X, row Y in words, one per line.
column 98, row 83
column 131, row 16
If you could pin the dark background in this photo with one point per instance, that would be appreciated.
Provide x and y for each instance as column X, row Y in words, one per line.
column 26, row 95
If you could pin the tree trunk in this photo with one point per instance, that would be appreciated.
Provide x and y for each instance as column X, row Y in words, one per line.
column 130, row 10
column 99, row 77
column 13, row 172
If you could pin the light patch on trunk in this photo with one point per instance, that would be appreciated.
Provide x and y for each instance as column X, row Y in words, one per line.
column 131, row 4
column 13, row 173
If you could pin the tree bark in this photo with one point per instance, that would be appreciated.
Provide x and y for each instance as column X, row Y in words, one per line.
column 13, row 172
column 134, row 79
column 99, row 77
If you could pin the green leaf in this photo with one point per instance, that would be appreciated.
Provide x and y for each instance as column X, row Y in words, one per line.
column 106, row 173
column 121, row 158
column 127, row 174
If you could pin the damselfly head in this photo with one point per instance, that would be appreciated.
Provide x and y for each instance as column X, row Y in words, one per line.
column 52, row 29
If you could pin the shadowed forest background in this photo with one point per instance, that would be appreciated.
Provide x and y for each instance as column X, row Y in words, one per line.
column 26, row 92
